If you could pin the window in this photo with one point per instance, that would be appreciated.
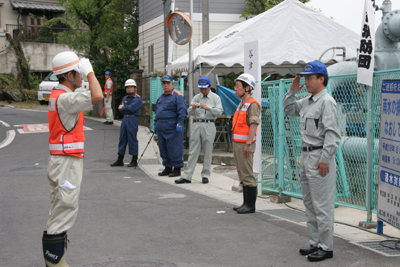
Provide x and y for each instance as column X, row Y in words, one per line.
column 32, row 21
column 151, row 58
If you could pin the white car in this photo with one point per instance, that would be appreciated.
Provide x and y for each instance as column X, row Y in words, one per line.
column 50, row 82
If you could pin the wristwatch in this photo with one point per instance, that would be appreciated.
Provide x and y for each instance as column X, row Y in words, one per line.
column 248, row 144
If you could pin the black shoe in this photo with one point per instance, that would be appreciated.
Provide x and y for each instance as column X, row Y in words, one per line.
column 133, row 162
column 235, row 208
column 320, row 255
column 108, row 122
column 182, row 181
column 119, row 162
column 250, row 200
column 204, row 180
column 175, row 173
column 165, row 172
column 309, row 250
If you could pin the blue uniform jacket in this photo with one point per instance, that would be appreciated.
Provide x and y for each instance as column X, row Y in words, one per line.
column 132, row 105
column 171, row 106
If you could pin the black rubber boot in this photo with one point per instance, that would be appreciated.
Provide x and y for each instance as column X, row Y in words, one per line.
column 54, row 247
column 235, row 208
column 133, row 162
column 165, row 172
column 250, row 200
column 119, row 161
column 176, row 172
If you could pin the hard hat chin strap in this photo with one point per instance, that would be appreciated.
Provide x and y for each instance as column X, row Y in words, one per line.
column 73, row 81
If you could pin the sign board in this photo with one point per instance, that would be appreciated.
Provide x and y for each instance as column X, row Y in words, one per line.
column 366, row 61
column 389, row 154
column 179, row 27
column 252, row 65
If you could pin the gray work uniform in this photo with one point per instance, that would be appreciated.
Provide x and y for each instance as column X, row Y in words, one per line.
column 64, row 172
column 202, row 133
column 319, row 127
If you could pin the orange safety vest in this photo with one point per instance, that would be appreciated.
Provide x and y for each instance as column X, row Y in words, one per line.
column 105, row 87
column 240, row 128
column 62, row 141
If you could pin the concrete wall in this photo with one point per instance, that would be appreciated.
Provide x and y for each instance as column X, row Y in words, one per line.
column 40, row 56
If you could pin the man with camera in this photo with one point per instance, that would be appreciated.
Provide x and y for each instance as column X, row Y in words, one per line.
column 205, row 107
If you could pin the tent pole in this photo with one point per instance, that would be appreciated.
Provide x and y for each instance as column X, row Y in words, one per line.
column 190, row 77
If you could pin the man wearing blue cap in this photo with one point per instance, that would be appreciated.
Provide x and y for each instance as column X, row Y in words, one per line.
column 171, row 111
column 108, row 90
column 205, row 107
column 320, row 137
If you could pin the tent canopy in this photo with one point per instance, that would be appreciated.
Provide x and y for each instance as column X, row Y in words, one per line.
column 290, row 34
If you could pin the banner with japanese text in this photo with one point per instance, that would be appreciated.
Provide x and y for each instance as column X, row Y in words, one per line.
column 389, row 154
column 252, row 65
column 366, row 60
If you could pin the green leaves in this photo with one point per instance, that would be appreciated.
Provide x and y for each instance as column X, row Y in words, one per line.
column 255, row 7
column 105, row 23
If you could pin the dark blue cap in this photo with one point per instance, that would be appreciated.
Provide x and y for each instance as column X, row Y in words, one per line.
column 204, row 82
column 167, row 78
column 314, row 67
column 108, row 73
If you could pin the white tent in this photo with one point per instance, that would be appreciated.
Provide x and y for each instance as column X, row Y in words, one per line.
column 291, row 34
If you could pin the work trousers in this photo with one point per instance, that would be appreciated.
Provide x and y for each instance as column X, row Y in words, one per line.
column 108, row 109
column 202, row 137
column 128, row 136
column 65, row 176
column 319, row 199
column 244, row 165
column 170, row 143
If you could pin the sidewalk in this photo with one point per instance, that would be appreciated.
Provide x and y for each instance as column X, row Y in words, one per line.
column 220, row 187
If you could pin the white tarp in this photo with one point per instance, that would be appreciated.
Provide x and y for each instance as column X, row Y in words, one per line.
column 289, row 33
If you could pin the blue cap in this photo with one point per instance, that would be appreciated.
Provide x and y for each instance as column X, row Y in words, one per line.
column 204, row 82
column 314, row 67
column 167, row 78
column 108, row 73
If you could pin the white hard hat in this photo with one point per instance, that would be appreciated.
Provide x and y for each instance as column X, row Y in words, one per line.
column 65, row 62
column 247, row 78
column 130, row 82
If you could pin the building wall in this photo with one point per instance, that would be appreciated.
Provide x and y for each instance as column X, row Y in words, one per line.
column 152, row 33
column 150, row 9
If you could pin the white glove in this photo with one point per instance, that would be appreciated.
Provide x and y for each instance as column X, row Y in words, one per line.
column 85, row 67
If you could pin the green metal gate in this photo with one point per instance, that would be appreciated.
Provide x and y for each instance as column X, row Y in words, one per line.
column 281, row 140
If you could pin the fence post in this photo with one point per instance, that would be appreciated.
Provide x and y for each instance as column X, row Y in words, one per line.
column 281, row 125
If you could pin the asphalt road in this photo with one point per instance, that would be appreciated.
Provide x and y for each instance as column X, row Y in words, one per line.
column 131, row 219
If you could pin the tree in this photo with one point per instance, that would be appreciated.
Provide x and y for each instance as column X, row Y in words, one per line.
column 105, row 23
column 255, row 7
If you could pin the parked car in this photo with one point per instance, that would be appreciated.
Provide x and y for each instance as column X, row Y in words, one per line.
column 50, row 82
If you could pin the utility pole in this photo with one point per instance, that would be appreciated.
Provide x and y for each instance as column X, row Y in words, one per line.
column 205, row 21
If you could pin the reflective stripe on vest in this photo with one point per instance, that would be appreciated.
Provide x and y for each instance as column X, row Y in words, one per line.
column 62, row 141
column 105, row 87
column 240, row 129
column 67, row 147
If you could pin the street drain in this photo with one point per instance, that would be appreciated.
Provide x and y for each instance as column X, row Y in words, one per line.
column 385, row 247
column 129, row 263
column 149, row 162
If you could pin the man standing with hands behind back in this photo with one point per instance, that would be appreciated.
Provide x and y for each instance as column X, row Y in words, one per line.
column 205, row 107
column 108, row 90
column 320, row 137
column 171, row 111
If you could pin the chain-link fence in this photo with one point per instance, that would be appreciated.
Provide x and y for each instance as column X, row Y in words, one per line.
column 281, row 139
